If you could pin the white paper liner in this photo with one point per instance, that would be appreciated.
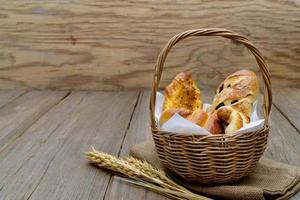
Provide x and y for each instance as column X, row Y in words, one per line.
column 179, row 124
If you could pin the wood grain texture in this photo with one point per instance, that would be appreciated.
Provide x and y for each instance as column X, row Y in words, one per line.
column 283, row 143
column 112, row 45
column 9, row 95
column 47, row 161
column 287, row 100
column 20, row 114
column 284, row 140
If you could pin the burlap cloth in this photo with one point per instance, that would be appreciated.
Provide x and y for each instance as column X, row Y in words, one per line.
column 270, row 179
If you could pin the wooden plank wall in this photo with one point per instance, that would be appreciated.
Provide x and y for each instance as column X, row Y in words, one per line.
column 112, row 45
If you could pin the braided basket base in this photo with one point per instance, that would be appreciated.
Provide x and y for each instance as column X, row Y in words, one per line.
column 210, row 159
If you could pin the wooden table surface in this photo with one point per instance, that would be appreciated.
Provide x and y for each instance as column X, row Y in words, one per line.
column 43, row 135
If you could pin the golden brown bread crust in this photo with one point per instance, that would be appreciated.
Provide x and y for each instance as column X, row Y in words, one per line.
column 168, row 113
column 182, row 96
column 234, row 100
column 232, row 119
column 213, row 124
column 182, row 93
column 199, row 117
column 245, row 107
column 237, row 86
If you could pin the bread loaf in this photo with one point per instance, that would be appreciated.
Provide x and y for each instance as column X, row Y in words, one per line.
column 182, row 93
column 182, row 96
column 240, row 85
column 234, row 100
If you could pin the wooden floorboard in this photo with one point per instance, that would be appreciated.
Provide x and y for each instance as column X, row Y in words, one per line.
column 284, row 140
column 47, row 161
column 287, row 100
column 19, row 114
column 7, row 96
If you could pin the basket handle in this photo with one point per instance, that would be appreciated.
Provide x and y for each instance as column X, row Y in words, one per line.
column 211, row 32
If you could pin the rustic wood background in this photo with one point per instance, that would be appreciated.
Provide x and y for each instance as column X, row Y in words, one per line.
column 111, row 45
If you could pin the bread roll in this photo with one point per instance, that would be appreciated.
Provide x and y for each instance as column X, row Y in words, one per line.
column 234, row 100
column 213, row 124
column 168, row 113
column 236, row 87
column 199, row 117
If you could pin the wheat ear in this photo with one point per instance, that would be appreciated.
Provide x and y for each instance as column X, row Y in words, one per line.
column 151, row 171
column 139, row 171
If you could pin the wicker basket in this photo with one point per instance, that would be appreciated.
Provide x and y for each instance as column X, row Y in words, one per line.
column 214, row 158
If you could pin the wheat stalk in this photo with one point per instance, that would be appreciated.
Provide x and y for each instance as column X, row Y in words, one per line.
column 112, row 163
column 142, row 173
column 151, row 171
column 146, row 168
